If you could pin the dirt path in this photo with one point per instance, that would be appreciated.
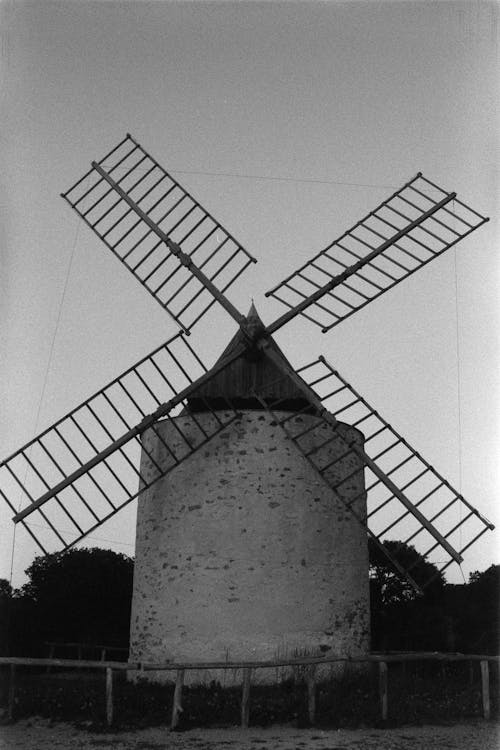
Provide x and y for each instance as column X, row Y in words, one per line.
column 37, row 734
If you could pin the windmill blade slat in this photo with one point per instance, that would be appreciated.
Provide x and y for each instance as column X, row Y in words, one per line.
column 415, row 225
column 470, row 542
column 24, row 524
column 426, row 490
column 75, row 445
column 159, row 232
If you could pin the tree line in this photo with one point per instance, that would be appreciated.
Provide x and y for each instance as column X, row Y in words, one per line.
column 462, row 618
column 77, row 596
column 84, row 596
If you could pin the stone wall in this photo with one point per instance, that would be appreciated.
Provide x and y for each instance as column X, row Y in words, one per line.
column 243, row 552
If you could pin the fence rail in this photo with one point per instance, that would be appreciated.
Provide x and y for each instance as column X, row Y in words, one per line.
column 248, row 668
column 80, row 648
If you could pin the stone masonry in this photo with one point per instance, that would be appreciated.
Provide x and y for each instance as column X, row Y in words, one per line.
column 243, row 551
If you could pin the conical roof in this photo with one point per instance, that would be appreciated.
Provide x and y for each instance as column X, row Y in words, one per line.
column 252, row 372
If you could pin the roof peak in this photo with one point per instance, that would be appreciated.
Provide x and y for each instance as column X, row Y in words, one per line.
column 252, row 371
column 252, row 313
column 253, row 322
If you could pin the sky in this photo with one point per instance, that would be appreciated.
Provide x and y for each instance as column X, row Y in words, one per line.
column 289, row 122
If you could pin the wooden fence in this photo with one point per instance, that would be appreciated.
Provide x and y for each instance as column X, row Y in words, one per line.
column 81, row 648
column 248, row 667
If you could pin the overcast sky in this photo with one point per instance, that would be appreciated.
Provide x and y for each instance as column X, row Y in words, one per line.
column 289, row 122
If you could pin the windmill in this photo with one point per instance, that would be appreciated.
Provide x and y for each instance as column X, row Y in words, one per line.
column 147, row 426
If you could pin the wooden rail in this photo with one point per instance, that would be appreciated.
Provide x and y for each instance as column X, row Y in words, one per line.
column 247, row 668
column 81, row 647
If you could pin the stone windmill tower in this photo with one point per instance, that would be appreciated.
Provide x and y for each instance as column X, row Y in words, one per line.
column 241, row 552
column 259, row 482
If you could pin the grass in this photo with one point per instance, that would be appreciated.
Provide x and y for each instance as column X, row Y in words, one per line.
column 421, row 693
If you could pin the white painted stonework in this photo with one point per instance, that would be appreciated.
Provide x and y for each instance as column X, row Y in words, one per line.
column 243, row 552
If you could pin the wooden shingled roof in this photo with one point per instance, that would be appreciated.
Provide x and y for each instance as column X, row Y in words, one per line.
column 252, row 372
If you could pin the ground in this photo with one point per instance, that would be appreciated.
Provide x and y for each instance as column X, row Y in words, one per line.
column 39, row 734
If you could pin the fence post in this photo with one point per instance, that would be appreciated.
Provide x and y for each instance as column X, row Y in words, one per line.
column 109, row 696
column 382, row 688
column 51, row 654
column 12, row 689
column 311, row 693
column 485, row 688
column 177, row 702
column 245, row 698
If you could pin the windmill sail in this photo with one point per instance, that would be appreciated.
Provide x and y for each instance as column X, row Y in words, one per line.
column 172, row 245
column 416, row 224
column 86, row 467
column 417, row 505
